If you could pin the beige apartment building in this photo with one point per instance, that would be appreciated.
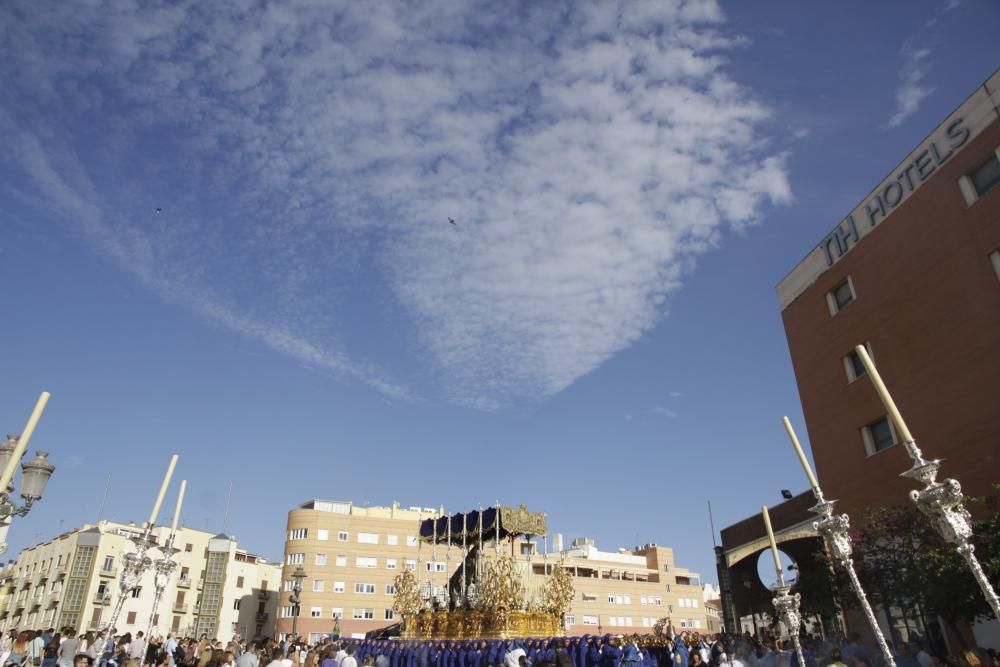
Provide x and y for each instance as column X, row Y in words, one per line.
column 72, row 580
column 352, row 554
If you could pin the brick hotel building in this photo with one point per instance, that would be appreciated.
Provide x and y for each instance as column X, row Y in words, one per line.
column 912, row 273
column 351, row 556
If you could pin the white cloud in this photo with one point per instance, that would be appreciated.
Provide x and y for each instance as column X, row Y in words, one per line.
column 307, row 156
column 911, row 90
column 664, row 412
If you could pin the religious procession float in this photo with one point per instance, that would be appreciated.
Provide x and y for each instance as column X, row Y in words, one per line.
column 488, row 595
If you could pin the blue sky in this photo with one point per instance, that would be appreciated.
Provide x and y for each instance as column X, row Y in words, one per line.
column 597, row 336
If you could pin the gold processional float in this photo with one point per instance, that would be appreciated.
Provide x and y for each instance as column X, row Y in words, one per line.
column 487, row 596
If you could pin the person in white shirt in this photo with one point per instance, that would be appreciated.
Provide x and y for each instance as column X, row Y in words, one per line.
column 349, row 660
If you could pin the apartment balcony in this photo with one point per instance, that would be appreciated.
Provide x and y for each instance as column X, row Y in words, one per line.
column 184, row 582
column 180, row 607
column 95, row 625
column 261, row 617
column 108, row 572
column 102, row 598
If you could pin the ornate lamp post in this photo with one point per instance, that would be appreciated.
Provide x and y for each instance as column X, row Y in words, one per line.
column 135, row 563
column 165, row 565
column 941, row 502
column 297, row 576
column 786, row 604
column 35, row 473
column 835, row 531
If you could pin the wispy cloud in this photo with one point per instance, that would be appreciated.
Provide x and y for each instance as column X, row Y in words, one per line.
column 307, row 157
column 911, row 90
column 664, row 412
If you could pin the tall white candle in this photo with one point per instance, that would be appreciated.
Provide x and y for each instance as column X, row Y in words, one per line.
column 177, row 510
column 883, row 393
column 774, row 545
column 801, row 454
column 22, row 441
column 163, row 491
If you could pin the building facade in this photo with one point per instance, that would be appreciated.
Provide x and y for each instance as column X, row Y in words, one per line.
column 351, row 555
column 72, row 581
column 912, row 273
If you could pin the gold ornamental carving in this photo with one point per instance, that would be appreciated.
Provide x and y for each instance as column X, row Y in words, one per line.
column 406, row 599
column 559, row 591
column 522, row 522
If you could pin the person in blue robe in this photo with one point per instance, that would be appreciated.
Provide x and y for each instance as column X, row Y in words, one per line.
column 681, row 654
column 631, row 656
column 492, row 653
column 594, row 647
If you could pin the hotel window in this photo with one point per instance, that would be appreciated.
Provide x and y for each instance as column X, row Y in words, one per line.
column 366, row 561
column 390, row 563
column 341, row 560
column 878, row 435
column 363, row 614
column 296, row 559
column 337, row 612
column 365, row 588
column 322, row 534
column 390, row 589
column 853, row 366
column 367, row 538
column 338, row 587
column 298, row 534
column 321, row 559
column 316, row 612
column 318, row 585
column 840, row 296
column 389, row 615
column 590, row 620
column 392, row 540
column 981, row 180
column 342, row 536
column 995, row 261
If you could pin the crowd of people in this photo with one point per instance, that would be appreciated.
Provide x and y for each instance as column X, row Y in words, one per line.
column 64, row 648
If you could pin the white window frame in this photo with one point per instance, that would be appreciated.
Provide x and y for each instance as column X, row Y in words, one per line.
column 831, row 300
column 364, row 588
column 340, row 560
column 589, row 620
column 336, row 612
column 316, row 612
column 321, row 559
column 367, row 538
column 389, row 615
column 869, row 440
column 318, row 585
column 965, row 181
column 390, row 563
column 410, row 564
column 390, row 589
column 343, row 536
column 411, row 540
column 363, row 614
column 339, row 587
column 849, row 365
column 366, row 562
column 322, row 534
column 296, row 559
column 392, row 540
column 298, row 534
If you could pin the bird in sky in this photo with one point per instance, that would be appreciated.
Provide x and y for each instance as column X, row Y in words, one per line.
column 452, row 222
column 159, row 210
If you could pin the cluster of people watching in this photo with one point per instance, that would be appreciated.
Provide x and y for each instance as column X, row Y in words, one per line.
column 64, row 648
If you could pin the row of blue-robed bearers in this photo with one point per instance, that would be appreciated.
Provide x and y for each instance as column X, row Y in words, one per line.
column 585, row 651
